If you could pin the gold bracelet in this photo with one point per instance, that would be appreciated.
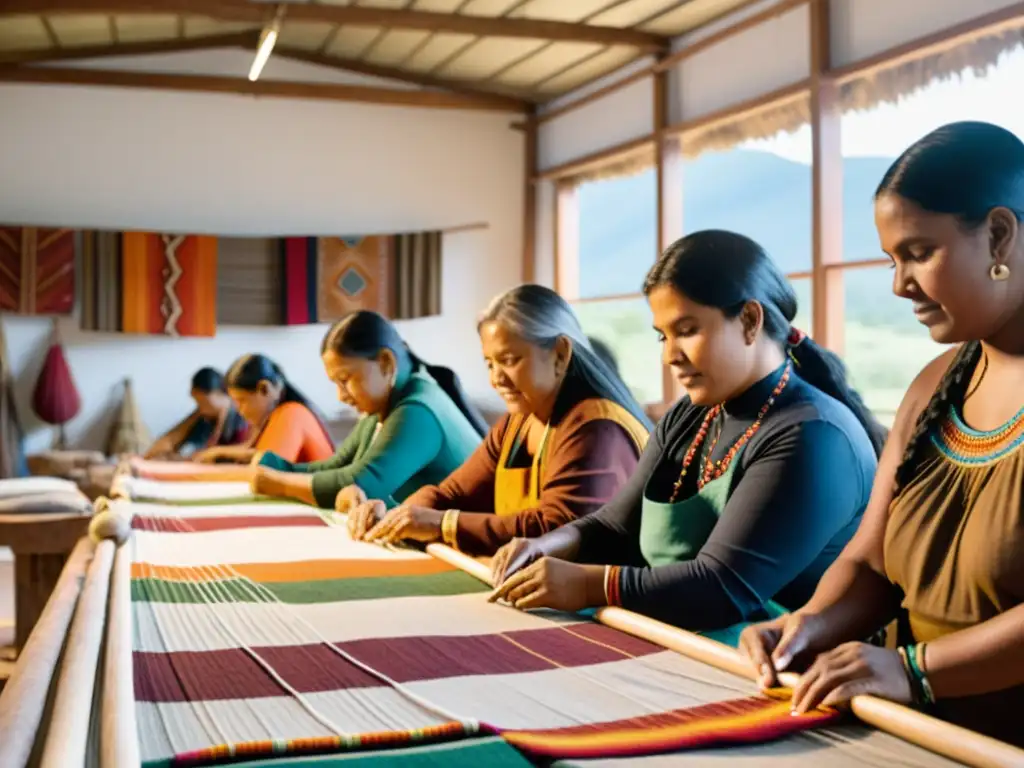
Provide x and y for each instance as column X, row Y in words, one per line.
column 450, row 528
column 607, row 571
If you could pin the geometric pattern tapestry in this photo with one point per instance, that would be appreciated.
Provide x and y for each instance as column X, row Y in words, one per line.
column 169, row 284
column 37, row 270
column 355, row 273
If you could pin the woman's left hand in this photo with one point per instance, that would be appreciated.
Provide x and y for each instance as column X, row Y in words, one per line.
column 208, row 455
column 852, row 669
column 262, row 480
column 553, row 583
column 408, row 523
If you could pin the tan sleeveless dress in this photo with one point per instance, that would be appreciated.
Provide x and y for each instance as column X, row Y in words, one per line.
column 954, row 544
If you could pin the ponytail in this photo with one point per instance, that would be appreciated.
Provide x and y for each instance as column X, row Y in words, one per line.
column 951, row 390
column 825, row 371
column 449, row 382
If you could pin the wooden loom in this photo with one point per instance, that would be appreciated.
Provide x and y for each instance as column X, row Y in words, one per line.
column 51, row 695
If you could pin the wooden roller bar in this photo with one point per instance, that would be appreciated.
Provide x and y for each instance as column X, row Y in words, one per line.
column 922, row 730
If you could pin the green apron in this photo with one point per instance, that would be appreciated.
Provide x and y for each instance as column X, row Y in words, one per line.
column 673, row 533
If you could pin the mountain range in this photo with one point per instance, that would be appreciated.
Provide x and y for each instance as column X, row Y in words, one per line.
column 756, row 193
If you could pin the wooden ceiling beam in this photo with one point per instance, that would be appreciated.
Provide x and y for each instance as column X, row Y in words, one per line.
column 35, row 56
column 363, row 16
column 401, row 75
column 362, row 94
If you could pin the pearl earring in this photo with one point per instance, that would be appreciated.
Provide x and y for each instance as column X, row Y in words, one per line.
column 999, row 272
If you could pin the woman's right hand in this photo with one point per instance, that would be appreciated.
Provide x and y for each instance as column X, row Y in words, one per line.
column 512, row 557
column 363, row 517
column 772, row 645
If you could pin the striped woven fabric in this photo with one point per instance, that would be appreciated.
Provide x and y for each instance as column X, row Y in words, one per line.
column 260, row 630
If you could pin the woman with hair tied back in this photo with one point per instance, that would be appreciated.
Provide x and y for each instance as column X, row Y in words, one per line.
column 750, row 486
column 416, row 427
column 214, row 421
column 282, row 418
column 941, row 547
column 571, row 438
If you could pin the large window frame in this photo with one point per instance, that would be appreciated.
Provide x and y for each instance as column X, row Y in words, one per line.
column 821, row 90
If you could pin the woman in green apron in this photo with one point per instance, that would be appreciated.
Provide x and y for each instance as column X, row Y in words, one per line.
column 572, row 436
column 414, row 431
column 749, row 487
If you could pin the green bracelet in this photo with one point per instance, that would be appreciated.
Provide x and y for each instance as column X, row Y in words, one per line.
column 920, row 687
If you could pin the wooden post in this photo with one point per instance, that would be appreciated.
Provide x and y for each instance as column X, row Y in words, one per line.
column 530, row 202
column 668, row 163
column 827, row 186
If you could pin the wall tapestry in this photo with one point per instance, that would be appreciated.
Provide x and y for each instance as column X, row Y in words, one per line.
column 37, row 270
column 169, row 284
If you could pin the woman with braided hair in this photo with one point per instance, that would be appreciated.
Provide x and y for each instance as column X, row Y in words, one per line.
column 941, row 547
column 749, row 487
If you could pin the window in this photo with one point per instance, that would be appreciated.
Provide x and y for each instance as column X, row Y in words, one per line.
column 624, row 325
column 885, row 347
column 761, row 189
column 618, row 243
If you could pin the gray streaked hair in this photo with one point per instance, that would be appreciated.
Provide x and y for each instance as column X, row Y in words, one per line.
column 539, row 316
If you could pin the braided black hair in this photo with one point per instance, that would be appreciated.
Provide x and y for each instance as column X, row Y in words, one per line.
column 948, row 393
column 725, row 270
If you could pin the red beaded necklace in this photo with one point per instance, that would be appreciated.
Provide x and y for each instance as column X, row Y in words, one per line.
column 715, row 469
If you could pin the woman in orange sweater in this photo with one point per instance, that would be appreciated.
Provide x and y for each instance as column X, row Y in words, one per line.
column 284, row 421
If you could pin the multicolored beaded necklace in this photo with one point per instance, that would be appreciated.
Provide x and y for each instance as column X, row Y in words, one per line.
column 964, row 445
column 715, row 469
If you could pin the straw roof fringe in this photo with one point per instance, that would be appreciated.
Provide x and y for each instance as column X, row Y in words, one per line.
column 782, row 117
column 895, row 83
column 629, row 164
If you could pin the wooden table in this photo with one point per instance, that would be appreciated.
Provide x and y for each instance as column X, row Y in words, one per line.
column 41, row 544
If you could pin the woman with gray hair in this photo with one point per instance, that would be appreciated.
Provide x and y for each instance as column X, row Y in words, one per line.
column 572, row 436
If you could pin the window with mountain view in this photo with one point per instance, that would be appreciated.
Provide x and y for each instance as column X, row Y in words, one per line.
column 617, row 224
column 885, row 347
column 761, row 189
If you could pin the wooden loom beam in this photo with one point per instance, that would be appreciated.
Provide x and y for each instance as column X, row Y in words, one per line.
column 207, row 42
column 363, row 16
column 919, row 729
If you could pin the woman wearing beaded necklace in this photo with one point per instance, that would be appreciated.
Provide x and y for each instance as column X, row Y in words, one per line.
column 749, row 487
column 941, row 546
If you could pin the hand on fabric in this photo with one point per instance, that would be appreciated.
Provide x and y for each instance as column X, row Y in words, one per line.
column 263, row 481
column 348, row 498
column 513, row 557
column 772, row 645
column 210, row 455
column 852, row 669
column 363, row 517
column 553, row 583
column 410, row 523
column 160, row 449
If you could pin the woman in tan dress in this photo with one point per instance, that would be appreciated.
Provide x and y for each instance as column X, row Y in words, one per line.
column 941, row 546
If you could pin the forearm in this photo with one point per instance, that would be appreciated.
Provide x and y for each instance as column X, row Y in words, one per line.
column 984, row 658
column 484, row 533
column 854, row 601
column 289, row 485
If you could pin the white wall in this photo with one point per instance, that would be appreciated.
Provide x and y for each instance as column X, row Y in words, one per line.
column 221, row 164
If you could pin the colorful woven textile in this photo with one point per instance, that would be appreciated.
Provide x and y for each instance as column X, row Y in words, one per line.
column 261, row 631
column 170, row 284
column 37, row 270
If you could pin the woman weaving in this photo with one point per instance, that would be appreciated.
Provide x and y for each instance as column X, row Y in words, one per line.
column 750, row 486
column 414, row 431
column 284, row 420
column 214, row 422
column 944, row 533
column 572, row 436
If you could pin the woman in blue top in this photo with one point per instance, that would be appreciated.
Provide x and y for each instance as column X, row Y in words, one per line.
column 414, row 431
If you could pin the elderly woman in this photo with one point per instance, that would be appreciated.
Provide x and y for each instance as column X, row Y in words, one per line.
column 571, row 438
